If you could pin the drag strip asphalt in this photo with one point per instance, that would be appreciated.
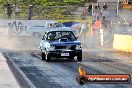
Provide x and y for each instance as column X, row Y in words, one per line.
column 62, row 73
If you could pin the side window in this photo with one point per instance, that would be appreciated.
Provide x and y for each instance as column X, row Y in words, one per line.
column 71, row 35
column 64, row 34
column 51, row 36
column 68, row 35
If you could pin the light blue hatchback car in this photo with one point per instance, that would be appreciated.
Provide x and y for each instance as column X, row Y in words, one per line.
column 60, row 43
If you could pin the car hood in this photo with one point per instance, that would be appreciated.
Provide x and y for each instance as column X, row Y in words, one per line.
column 57, row 43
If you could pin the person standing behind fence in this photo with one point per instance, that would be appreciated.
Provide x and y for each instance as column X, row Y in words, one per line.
column 89, row 10
column 97, row 12
column 104, row 22
column 98, row 6
column 9, row 10
column 30, row 11
column 105, row 6
column 96, row 27
column 84, row 14
column 16, row 11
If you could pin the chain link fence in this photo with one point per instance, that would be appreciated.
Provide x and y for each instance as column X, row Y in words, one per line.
column 43, row 12
column 106, row 35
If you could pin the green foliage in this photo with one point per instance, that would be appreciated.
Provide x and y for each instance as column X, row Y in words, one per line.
column 45, row 9
column 73, row 1
column 46, row 2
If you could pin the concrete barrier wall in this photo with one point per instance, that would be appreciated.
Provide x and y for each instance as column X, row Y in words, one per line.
column 19, row 27
column 123, row 42
column 110, row 0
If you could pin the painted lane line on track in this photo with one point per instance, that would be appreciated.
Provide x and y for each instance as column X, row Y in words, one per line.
column 19, row 71
column 7, row 79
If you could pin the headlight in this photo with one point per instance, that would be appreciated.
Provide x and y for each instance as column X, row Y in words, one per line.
column 49, row 47
column 52, row 47
column 78, row 47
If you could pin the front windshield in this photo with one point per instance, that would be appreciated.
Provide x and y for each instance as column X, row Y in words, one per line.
column 56, row 35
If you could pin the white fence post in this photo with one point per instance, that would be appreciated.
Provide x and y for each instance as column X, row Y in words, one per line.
column 101, row 37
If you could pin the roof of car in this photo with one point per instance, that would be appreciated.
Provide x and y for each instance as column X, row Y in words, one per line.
column 61, row 29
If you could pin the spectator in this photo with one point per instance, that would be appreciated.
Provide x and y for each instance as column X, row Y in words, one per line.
column 105, row 13
column 89, row 10
column 98, row 6
column 104, row 23
column 97, row 13
column 16, row 11
column 97, row 24
column 84, row 14
column 105, row 6
column 96, row 27
column 9, row 10
column 30, row 11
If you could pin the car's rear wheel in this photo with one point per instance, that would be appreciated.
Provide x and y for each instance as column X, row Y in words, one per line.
column 43, row 56
column 79, row 57
column 47, row 57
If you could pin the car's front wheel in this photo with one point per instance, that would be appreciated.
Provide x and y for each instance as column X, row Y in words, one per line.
column 43, row 56
column 47, row 57
column 79, row 57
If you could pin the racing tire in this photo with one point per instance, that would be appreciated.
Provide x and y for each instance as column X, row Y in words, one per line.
column 47, row 58
column 79, row 57
column 43, row 56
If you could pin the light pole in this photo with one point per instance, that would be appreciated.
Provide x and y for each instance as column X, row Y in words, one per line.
column 117, row 8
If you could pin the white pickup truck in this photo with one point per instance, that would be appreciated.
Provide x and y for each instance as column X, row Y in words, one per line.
column 38, row 31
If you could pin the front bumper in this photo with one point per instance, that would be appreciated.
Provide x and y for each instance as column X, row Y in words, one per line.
column 58, row 53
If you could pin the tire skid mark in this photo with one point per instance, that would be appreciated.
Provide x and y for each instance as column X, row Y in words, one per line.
column 33, row 73
column 73, row 67
column 92, row 70
column 18, row 70
column 55, row 74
